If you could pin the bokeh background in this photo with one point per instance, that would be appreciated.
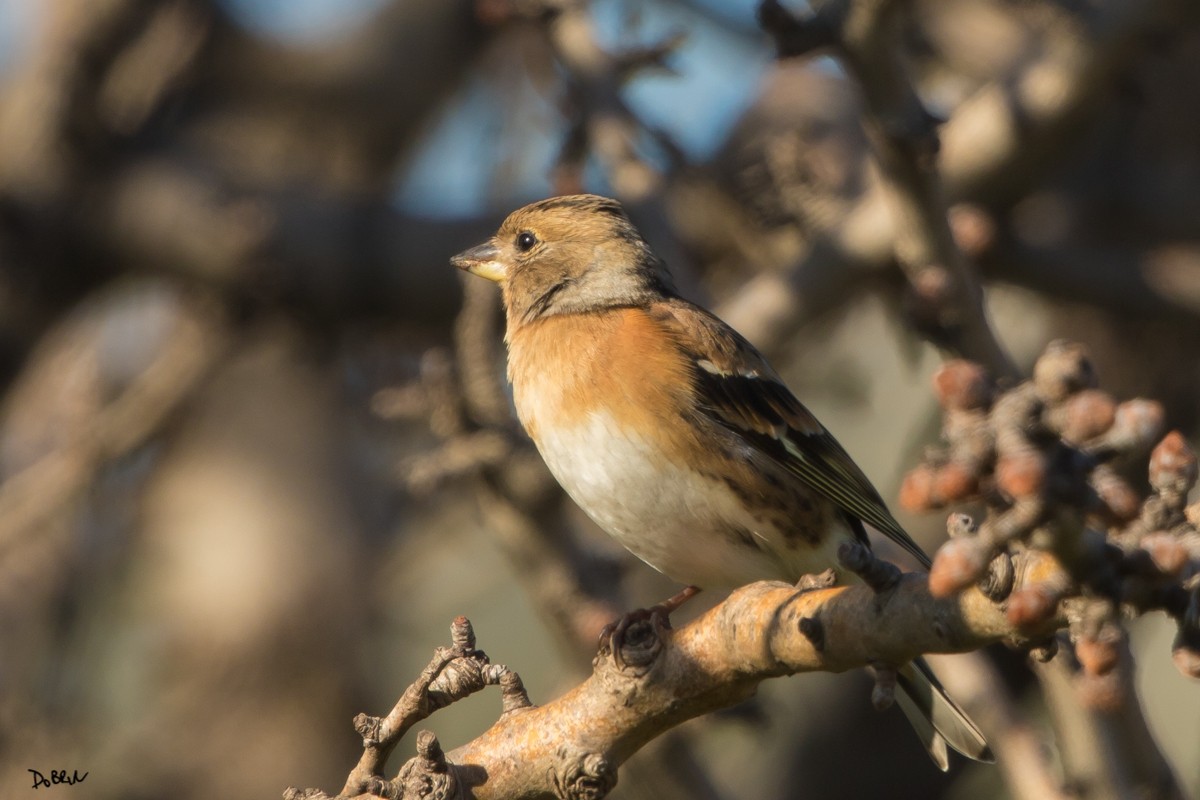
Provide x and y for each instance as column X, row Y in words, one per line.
column 255, row 447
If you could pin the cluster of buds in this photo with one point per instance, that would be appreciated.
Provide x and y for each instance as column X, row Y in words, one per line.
column 1062, row 524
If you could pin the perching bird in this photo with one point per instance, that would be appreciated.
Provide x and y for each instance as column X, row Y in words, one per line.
column 671, row 431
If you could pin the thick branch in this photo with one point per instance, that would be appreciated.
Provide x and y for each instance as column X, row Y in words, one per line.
column 715, row 662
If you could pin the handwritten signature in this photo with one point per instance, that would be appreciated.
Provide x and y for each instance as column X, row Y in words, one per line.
column 57, row 776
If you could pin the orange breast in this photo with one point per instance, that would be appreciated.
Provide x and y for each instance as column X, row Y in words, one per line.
column 622, row 362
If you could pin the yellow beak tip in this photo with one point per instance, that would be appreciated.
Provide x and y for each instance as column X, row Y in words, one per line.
column 481, row 261
column 488, row 269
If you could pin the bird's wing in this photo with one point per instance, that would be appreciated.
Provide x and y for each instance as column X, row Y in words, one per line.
column 738, row 389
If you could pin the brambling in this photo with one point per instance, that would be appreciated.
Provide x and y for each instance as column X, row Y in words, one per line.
column 672, row 432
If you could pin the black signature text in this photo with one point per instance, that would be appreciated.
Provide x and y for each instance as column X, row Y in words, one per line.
column 57, row 776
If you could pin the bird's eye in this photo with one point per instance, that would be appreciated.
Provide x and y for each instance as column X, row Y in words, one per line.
column 526, row 241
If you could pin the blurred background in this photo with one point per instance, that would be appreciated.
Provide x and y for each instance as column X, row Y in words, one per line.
column 256, row 449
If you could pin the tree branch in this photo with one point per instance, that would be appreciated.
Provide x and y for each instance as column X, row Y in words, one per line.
column 572, row 747
column 999, row 140
column 905, row 143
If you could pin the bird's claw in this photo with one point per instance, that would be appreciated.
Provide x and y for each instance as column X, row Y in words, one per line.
column 880, row 575
column 821, row 580
column 615, row 638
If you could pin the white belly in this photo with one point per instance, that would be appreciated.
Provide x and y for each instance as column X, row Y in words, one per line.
column 684, row 524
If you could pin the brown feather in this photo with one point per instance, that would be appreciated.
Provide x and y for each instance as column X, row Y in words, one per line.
column 742, row 391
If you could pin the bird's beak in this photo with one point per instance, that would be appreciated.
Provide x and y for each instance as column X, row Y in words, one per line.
column 482, row 260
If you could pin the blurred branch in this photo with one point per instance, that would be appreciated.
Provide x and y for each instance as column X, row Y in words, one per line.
column 1013, row 128
column 603, row 125
column 380, row 80
column 1090, row 737
column 106, row 381
column 319, row 254
column 950, row 300
column 1020, row 750
column 80, row 83
column 997, row 144
column 1133, row 281
column 110, row 421
column 270, row 178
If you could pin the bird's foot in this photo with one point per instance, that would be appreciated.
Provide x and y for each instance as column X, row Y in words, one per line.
column 821, row 580
column 880, row 575
column 617, row 636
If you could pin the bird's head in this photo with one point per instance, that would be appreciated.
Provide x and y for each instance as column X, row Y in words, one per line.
column 565, row 255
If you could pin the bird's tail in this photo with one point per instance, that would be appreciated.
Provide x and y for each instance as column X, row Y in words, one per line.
column 936, row 718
